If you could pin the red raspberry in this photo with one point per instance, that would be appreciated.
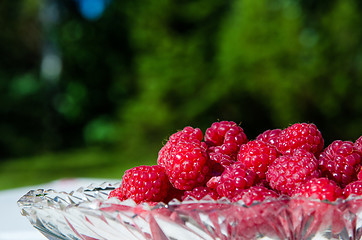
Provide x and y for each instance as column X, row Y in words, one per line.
column 300, row 135
column 233, row 180
column 188, row 134
column 224, row 139
column 257, row 155
column 353, row 188
column 289, row 171
column 358, row 145
column 145, row 184
column 201, row 192
column 270, row 136
column 225, row 132
column 255, row 193
column 319, row 188
column 340, row 162
column 185, row 159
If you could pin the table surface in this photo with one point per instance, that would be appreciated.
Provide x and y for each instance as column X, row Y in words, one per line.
column 14, row 226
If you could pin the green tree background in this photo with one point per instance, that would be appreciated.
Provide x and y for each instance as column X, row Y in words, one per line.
column 143, row 70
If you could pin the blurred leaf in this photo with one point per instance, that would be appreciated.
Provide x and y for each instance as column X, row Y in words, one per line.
column 24, row 85
column 100, row 130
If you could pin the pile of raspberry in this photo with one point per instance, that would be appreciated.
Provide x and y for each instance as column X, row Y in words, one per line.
column 224, row 163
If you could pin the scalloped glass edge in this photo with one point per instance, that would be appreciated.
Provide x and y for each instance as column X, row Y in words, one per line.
column 88, row 214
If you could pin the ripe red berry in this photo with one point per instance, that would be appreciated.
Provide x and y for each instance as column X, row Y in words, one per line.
column 188, row 134
column 358, row 145
column 185, row 160
column 145, row 184
column 225, row 132
column 288, row 172
column 300, row 135
column 233, row 180
column 224, row 139
column 340, row 162
column 201, row 192
column 270, row 136
column 255, row 193
column 319, row 188
column 257, row 155
column 353, row 188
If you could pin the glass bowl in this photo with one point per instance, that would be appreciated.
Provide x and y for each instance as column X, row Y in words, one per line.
column 88, row 214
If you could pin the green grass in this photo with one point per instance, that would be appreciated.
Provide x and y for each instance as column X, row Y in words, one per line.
column 87, row 163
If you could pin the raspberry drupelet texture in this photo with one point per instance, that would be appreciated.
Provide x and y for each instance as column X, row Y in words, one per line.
column 340, row 162
column 145, row 184
column 300, row 135
column 288, row 172
column 188, row 134
column 255, row 193
column 358, row 145
column 185, row 159
column 354, row 188
column 270, row 136
column 224, row 139
column 200, row 193
column 257, row 155
column 319, row 188
column 233, row 180
column 225, row 132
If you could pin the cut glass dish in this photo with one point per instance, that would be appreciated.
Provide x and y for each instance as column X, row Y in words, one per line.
column 88, row 214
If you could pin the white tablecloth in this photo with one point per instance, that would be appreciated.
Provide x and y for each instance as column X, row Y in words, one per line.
column 14, row 226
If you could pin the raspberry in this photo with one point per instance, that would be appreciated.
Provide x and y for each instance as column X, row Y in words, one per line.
column 224, row 139
column 270, row 136
column 288, row 172
column 353, row 188
column 145, row 184
column 225, row 132
column 257, row 155
column 340, row 162
column 233, row 180
column 188, row 134
column 300, row 135
column 319, row 188
column 185, row 159
column 255, row 193
column 358, row 145
column 201, row 192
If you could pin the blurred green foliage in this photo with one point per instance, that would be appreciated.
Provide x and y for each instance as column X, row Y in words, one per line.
column 143, row 70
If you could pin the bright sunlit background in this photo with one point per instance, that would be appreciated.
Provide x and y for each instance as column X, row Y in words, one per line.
column 89, row 88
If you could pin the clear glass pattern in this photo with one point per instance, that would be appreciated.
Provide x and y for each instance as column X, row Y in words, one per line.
column 88, row 214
